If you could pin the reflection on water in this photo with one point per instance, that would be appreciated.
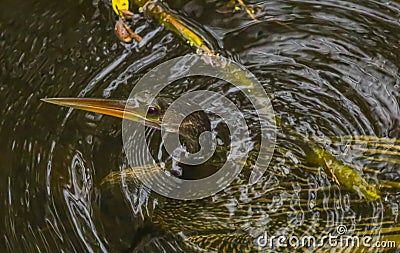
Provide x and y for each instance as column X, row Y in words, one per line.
column 331, row 66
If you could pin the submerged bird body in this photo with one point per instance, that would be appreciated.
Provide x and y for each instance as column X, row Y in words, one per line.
column 295, row 197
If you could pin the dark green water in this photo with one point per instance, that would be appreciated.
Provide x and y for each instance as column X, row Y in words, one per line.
column 333, row 70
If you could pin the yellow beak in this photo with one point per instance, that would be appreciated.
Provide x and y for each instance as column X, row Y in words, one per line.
column 115, row 108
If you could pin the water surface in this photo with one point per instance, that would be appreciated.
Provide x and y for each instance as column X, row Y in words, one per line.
column 331, row 67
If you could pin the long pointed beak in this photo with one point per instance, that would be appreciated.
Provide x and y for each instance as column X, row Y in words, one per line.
column 115, row 108
column 104, row 106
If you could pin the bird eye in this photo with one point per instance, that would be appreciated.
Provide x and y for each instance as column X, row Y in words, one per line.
column 152, row 111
